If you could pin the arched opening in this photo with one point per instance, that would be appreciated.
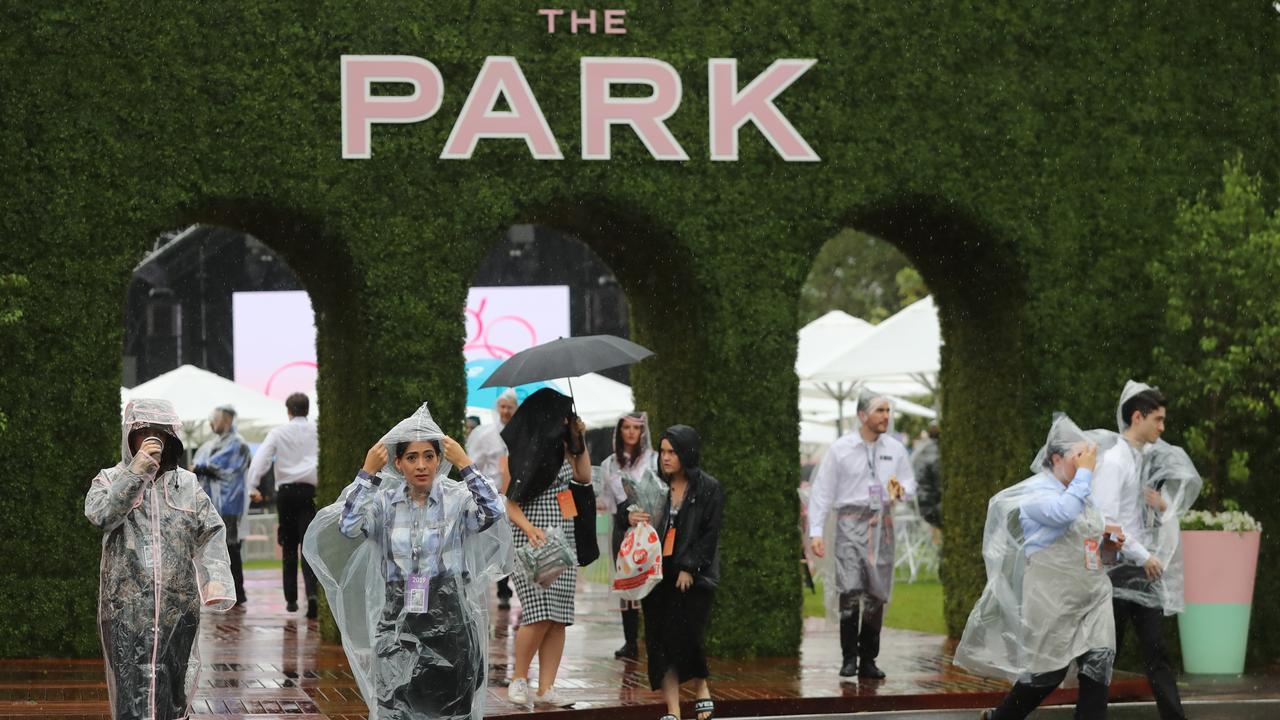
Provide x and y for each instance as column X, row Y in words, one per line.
column 590, row 270
column 919, row 252
column 223, row 310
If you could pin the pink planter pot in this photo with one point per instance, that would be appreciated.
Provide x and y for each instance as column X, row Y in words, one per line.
column 1219, row 569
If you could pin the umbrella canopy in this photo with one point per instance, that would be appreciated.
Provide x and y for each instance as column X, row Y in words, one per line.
column 903, row 347
column 566, row 358
column 826, row 338
column 195, row 392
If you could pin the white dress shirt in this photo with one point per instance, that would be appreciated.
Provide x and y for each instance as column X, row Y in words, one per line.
column 847, row 471
column 486, row 449
column 295, row 448
column 1117, row 492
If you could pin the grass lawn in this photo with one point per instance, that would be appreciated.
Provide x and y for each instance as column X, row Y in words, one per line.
column 262, row 564
column 915, row 606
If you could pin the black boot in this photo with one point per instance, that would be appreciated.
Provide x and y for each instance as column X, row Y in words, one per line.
column 849, row 646
column 867, row 669
column 313, row 608
column 630, row 630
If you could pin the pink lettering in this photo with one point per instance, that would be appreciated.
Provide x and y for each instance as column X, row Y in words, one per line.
column 613, row 20
column 646, row 116
column 525, row 121
column 731, row 109
column 589, row 21
column 360, row 109
column 551, row 14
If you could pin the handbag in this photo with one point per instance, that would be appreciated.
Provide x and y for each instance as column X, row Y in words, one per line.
column 584, row 523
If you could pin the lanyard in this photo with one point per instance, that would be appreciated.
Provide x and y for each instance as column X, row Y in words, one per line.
column 871, row 464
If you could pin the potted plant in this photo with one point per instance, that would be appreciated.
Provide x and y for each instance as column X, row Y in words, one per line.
column 1220, row 560
column 1218, row 353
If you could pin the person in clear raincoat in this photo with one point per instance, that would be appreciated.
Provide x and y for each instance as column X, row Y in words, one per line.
column 860, row 478
column 486, row 448
column 164, row 555
column 1047, row 602
column 1145, row 485
column 632, row 457
column 220, row 464
column 405, row 557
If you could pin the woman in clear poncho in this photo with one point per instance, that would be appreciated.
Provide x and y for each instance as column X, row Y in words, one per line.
column 1047, row 602
column 164, row 555
column 632, row 460
column 406, row 556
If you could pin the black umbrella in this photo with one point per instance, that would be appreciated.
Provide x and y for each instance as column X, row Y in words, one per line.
column 566, row 358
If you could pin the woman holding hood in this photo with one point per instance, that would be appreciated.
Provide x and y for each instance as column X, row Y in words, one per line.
column 406, row 556
column 677, row 611
column 164, row 554
column 1047, row 602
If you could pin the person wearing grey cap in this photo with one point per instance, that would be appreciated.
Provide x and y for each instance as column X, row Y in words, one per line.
column 221, row 464
column 859, row 479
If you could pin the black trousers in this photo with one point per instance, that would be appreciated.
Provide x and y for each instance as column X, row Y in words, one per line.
column 1147, row 622
column 296, row 505
column 860, row 640
column 233, row 551
column 1091, row 704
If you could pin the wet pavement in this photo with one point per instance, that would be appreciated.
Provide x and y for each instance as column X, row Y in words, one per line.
column 263, row 662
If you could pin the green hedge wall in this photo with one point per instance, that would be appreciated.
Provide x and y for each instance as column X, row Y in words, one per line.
column 1026, row 158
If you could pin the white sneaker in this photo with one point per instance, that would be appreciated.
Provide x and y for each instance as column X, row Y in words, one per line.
column 518, row 692
column 549, row 698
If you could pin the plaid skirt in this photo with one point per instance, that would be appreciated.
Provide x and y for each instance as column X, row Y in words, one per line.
column 556, row 602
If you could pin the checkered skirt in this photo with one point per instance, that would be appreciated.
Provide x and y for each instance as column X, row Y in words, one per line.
column 556, row 602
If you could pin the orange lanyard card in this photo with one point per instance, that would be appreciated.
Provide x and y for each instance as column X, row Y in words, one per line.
column 568, row 509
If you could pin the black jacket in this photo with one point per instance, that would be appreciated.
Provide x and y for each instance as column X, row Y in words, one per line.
column 697, row 548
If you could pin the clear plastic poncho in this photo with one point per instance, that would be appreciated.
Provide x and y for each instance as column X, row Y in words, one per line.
column 1039, row 614
column 411, row 665
column 227, row 457
column 859, row 537
column 1169, row 471
column 164, row 555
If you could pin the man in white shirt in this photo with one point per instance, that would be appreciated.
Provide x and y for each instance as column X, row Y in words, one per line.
column 294, row 448
column 1119, row 494
column 861, row 476
column 486, row 448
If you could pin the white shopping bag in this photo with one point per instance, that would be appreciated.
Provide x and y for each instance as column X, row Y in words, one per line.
column 639, row 563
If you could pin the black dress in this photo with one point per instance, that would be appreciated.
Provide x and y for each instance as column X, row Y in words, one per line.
column 675, row 621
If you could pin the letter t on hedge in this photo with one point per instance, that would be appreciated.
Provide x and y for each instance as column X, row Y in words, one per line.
column 361, row 109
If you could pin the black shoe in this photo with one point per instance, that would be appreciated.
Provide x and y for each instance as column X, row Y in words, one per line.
column 868, row 669
column 627, row 652
column 313, row 608
column 504, row 603
column 291, row 607
column 849, row 668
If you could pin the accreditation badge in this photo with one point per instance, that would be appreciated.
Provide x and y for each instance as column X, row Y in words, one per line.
column 415, row 593
column 1091, row 559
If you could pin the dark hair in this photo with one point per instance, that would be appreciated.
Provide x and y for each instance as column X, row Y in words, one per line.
column 1060, row 449
column 633, row 458
column 934, row 430
column 402, row 448
column 1145, row 402
column 297, row 404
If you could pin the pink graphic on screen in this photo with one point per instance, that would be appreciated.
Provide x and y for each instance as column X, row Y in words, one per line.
column 274, row 333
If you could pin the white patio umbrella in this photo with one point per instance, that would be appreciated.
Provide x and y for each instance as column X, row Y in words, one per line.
column 819, row 343
column 600, row 401
column 195, row 392
column 906, row 346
